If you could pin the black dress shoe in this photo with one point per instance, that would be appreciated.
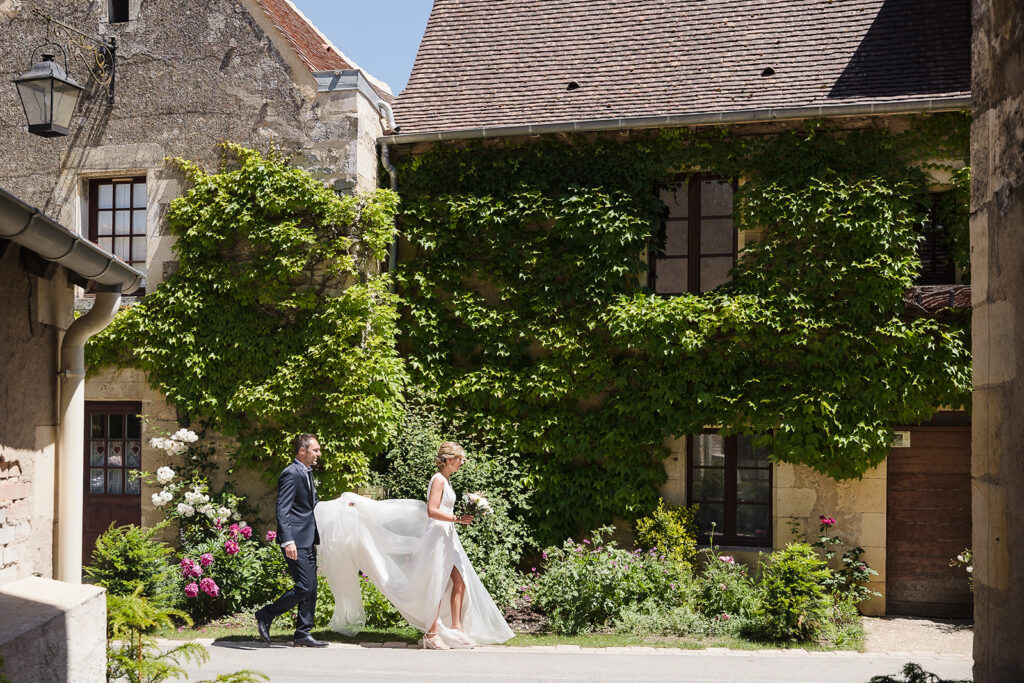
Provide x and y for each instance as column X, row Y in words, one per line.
column 309, row 641
column 263, row 628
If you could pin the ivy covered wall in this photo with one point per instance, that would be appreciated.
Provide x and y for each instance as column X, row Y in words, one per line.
column 524, row 310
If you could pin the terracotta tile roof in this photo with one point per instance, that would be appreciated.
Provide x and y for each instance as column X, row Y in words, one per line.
column 485, row 63
column 315, row 50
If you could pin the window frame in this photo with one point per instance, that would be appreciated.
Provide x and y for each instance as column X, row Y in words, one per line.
column 118, row 11
column 693, row 220
column 930, row 241
column 107, row 408
column 94, row 210
column 728, row 536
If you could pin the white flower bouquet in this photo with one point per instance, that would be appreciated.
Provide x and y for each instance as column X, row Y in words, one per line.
column 476, row 504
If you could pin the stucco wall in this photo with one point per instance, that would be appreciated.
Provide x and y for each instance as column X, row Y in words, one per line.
column 34, row 311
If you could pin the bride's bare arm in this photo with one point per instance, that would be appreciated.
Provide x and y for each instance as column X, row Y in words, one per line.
column 434, row 510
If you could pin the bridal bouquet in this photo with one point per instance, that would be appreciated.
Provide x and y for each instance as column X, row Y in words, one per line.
column 476, row 504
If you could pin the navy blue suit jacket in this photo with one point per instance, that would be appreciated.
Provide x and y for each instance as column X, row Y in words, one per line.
column 295, row 501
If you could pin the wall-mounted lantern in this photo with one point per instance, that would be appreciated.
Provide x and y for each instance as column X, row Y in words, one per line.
column 48, row 94
column 49, row 97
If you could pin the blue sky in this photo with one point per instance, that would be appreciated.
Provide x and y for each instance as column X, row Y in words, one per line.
column 381, row 36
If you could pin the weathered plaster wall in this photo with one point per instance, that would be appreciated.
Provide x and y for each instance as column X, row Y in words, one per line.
column 997, row 251
column 34, row 312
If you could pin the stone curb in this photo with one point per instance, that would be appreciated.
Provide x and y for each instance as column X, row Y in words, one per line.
column 903, row 655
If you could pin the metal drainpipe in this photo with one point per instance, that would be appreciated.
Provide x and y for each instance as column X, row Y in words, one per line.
column 393, row 247
column 70, row 462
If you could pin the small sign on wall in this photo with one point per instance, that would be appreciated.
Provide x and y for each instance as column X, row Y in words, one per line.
column 901, row 440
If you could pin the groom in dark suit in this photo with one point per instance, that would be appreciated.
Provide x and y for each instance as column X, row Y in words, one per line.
column 298, row 536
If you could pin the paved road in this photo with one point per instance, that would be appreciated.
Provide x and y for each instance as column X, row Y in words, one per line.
column 372, row 662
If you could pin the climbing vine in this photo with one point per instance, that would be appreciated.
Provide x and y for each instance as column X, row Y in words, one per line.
column 273, row 322
column 525, row 310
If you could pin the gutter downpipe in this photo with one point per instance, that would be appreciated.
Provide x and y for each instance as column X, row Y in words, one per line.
column 71, row 464
column 385, row 158
column 939, row 104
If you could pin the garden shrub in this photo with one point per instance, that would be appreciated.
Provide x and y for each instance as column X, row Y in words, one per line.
column 380, row 613
column 723, row 589
column 653, row 619
column 495, row 543
column 671, row 530
column 793, row 602
column 849, row 577
column 587, row 585
column 127, row 559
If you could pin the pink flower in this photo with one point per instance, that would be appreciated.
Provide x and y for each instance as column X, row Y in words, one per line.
column 544, row 555
column 192, row 590
column 234, row 530
column 586, row 541
column 189, row 568
column 724, row 617
column 271, row 535
column 247, row 531
column 206, row 559
column 209, row 587
column 826, row 521
column 722, row 586
column 727, row 559
column 230, row 547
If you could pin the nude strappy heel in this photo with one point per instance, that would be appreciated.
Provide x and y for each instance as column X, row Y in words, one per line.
column 431, row 641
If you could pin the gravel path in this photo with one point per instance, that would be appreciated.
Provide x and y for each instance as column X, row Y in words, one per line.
column 904, row 634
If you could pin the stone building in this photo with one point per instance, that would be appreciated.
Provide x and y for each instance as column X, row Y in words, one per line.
column 189, row 75
column 581, row 68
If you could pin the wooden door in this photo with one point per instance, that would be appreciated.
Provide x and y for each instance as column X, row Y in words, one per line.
column 113, row 458
column 928, row 523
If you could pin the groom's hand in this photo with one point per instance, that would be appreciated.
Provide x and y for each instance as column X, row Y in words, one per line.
column 290, row 552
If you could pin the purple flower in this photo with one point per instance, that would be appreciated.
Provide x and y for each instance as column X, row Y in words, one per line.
column 209, row 586
column 230, row 547
column 544, row 555
column 192, row 590
column 586, row 541
column 206, row 559
column 247, row 531
column 271, row 535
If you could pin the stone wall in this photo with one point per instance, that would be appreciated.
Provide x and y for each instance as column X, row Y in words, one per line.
column 35, row 311
column 997, row 286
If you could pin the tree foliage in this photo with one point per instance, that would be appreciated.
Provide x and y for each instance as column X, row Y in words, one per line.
column 525, row 311
column 274, row 322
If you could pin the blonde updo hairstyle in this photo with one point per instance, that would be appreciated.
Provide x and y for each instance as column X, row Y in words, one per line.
column 447, row 451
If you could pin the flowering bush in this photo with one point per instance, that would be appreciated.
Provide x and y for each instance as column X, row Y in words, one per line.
column 966, row 560
column 722, row 590
column 849, row 580
column 586, row 585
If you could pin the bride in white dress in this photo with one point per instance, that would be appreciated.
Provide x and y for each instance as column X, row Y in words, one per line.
column 412, row 553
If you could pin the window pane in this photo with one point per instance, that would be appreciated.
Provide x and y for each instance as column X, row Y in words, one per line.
column 752, row 486
column 106, row 197
column 708, row 484
column 116, row 426
column 121, row 245
column 677, row 199
column 670, row 276
column 104, row 223
column 97, row 426
column 122, row 223
column 133, row 483
column 709, row 450
column 139, row 195
column 749, row 456
column 138, row 249
column 96, row 480
column 134, row 428
column 115, row 458
column 677, row 238
column 716, row 236
column 716, row 198
column 753, row 521
column 123, row 195
column 134, row 457
column 114, row 481
column 708, row 513
column 139, row 222
column 97, row 450
column 106, row 243
column 714, row 271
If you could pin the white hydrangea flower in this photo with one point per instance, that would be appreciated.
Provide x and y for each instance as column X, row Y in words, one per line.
column 185, row 510
column 164, row 475
column 223, row 512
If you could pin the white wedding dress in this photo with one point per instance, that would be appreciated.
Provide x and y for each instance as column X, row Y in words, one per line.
column 409, row 557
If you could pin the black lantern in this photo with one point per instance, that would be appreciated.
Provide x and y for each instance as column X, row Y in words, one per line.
column 49, row 97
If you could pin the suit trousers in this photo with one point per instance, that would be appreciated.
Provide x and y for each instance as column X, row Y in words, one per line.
column 303, row 594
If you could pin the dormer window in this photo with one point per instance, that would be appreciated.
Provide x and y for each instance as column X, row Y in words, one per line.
column 117, row 11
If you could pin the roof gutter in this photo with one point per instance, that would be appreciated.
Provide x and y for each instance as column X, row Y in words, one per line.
column 29, row 227
column 939, row 104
